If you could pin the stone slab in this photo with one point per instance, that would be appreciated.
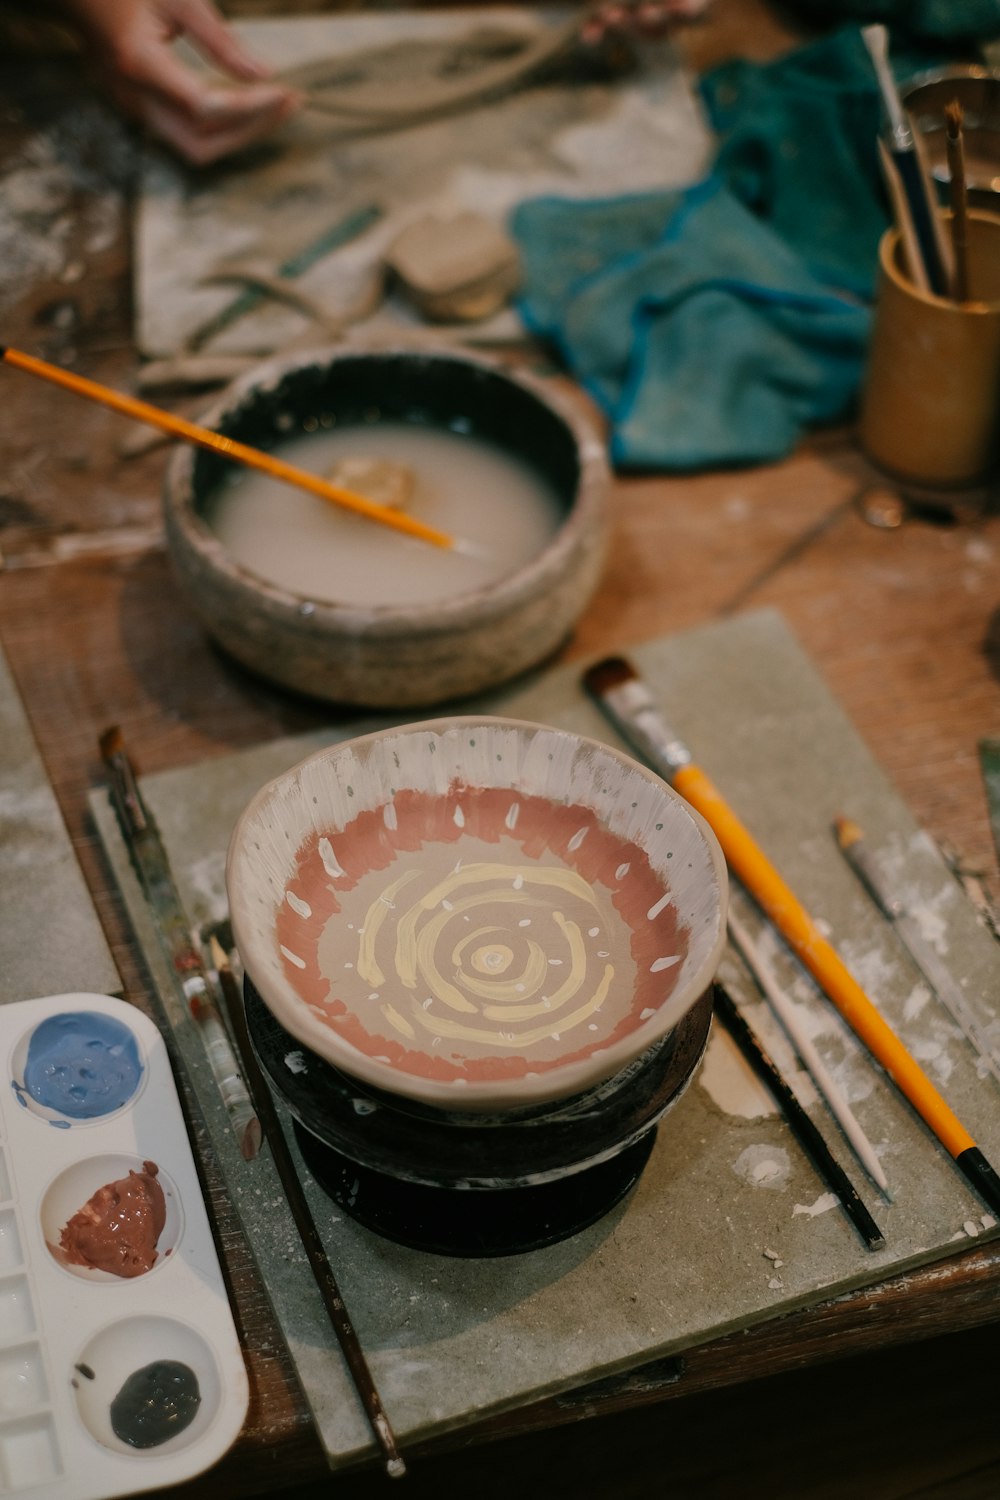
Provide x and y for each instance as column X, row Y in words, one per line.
column 51, row 940
column 729, row 1225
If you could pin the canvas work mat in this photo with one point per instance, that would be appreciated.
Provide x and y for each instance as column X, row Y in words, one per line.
column 573, row 135
column 729, row 1225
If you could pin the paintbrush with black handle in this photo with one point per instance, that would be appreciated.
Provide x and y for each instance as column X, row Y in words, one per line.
column 361, row 1374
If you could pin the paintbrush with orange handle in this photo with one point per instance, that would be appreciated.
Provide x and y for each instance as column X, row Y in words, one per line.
column 204, row 437
column 631, row 708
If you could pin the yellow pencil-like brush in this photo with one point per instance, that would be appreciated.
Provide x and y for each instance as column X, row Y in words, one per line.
column 631, row 708
column 204, row 437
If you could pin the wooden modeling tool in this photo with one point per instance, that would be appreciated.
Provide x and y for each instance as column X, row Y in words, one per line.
column 142, row 838
column 806, row 1132
column 851, row 842
column 972, row 881
column 816, row 1068
column 204, row 437
column 958, row 196
column 913, row 260
column 631, row 708
column 305, row 1224
column 345, row 229
column 916, row 183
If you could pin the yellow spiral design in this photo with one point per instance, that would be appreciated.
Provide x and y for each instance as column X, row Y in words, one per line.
column 478, row 951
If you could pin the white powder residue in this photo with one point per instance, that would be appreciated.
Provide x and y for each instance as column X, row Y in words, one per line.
column 39, row 209
column 876, row 973
column 27, row 819
column 903, row 863
column 847, row 1061
column 31, row 246
column 104, row 213
column 728, row 1079
column 933, row 925
column 978, row 550
column 916, row 1001
column 935, row 1057
column 763, row 1166
column 822, row 1205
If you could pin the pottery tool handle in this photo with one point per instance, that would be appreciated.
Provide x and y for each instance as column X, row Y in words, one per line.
column 806, row 1132
column 852, row 844
column 820, row 1074
column 149, row 857
column 345, row 229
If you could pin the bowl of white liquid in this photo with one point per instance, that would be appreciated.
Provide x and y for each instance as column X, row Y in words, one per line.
column 344, row 608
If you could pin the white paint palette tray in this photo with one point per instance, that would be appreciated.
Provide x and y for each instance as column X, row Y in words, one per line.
column 120, row 1365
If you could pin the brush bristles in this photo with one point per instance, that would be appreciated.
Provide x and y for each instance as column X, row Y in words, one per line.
column 605, row 675
column 847, row 832
column 111, row 742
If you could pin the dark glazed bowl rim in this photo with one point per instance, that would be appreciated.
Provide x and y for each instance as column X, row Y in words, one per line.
column 588, row 483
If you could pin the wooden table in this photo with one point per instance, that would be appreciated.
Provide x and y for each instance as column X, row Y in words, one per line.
column 886, row 1391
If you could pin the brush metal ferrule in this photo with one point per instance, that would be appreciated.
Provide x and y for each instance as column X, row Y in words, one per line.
column 635, row 713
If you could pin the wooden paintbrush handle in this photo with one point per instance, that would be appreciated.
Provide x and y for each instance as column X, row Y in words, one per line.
column 958, row 197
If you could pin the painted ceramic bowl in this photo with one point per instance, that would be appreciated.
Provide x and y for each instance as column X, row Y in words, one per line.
column 476, row 913
column 349, row 610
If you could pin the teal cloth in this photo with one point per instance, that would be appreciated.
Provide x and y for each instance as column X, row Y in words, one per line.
column 916, row 20
column 798, row 145
column 701, row 333
column 714, row 325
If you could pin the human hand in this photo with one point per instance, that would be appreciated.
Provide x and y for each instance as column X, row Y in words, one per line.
column 642, row 20
column 201, row 118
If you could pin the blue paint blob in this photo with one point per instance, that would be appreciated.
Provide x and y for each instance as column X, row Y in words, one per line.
column 82, row 1065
